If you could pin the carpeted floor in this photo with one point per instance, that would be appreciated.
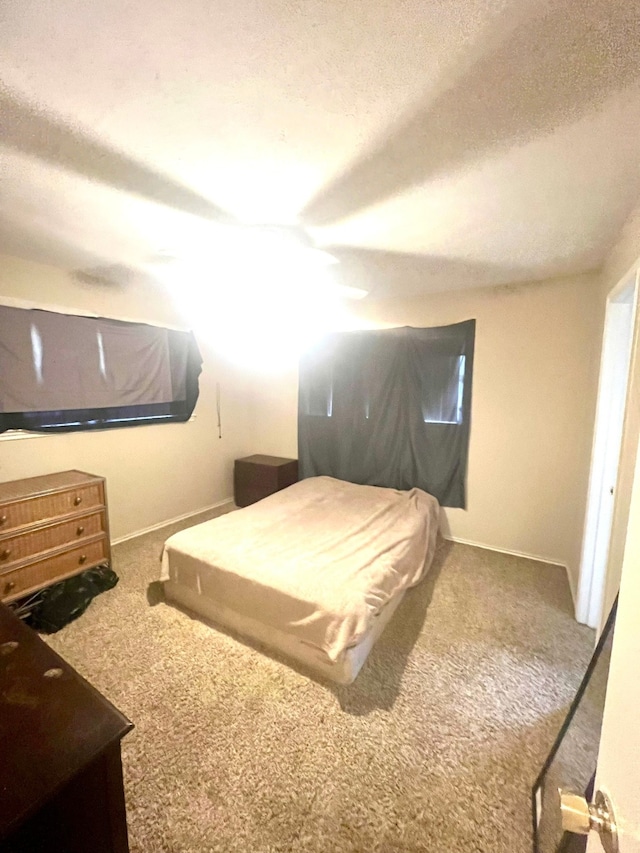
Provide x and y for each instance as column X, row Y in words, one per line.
column 433, row 748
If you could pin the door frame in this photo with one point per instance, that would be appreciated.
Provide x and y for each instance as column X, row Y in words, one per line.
column 590, row 599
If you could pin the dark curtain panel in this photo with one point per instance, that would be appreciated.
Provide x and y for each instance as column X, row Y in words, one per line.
column 62, row 372
column 389, row 407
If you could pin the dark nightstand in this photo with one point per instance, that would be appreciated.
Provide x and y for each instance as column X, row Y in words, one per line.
column 255, row 477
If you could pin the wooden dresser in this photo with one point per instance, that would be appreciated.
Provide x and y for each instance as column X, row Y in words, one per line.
column 51, row 527
column 61, row 785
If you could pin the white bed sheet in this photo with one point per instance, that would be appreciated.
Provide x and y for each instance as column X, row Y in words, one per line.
column 318, row 561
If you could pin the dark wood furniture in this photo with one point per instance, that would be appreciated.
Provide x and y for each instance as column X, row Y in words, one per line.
column 255, row 477
column 51, row 527
column 60, row 775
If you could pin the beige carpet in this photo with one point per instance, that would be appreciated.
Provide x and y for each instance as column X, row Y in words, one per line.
column 433, row 748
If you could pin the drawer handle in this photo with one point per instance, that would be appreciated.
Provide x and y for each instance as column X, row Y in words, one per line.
column 3, row 518
column 5, row 554
column 80, row 530
column 77, row 500
column 54, row 672
column 9, row 586
column 82, row 559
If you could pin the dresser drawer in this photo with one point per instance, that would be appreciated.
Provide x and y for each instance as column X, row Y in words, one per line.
column 22, row 513
column 44, row 572
column 21, row 546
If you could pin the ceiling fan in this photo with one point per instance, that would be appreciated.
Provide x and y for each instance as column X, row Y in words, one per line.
column 276, row 253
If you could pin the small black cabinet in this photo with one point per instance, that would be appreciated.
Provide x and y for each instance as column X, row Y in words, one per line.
column 255, row 477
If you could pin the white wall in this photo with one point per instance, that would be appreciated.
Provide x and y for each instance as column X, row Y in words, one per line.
column 154, row 473
column 534, row 387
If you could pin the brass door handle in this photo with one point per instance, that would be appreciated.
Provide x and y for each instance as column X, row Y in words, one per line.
column 80, row 530
column 77, row 500
column 5, row 554
column 580, row 817
column 82, row 559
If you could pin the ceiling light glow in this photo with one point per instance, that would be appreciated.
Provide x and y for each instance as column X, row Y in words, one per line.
column 261, row 296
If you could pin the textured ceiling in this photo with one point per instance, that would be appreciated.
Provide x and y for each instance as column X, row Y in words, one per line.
column 432, row 144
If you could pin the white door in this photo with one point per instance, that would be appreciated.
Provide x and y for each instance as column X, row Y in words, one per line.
column 592, row 606
column 618, row 773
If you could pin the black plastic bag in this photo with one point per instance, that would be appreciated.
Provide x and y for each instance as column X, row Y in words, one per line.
column 61, row 603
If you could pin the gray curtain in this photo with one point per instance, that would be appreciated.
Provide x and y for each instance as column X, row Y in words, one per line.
column 389, row 407
column 64, row 372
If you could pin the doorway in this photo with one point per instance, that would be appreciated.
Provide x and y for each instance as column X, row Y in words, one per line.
column 611, row 408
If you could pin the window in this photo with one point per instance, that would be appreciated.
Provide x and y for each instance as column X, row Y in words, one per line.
column 389, row 407
column 63, row 372
column 443, row 391
column 317, row 395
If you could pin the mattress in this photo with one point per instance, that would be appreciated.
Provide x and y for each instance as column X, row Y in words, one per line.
column 318, row 563
column 273, row 640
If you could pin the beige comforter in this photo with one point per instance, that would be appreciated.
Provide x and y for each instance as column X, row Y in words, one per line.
column 318, row 560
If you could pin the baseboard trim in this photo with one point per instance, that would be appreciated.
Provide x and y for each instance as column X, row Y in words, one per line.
column 574, row 593
column 559, row 563
column 169, row 521
column 511, row 553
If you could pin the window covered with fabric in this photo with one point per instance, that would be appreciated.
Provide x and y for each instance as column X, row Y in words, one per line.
column 63, row 372
column 389, row 407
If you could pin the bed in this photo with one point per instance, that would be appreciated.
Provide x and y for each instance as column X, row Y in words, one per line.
column 313, row 572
